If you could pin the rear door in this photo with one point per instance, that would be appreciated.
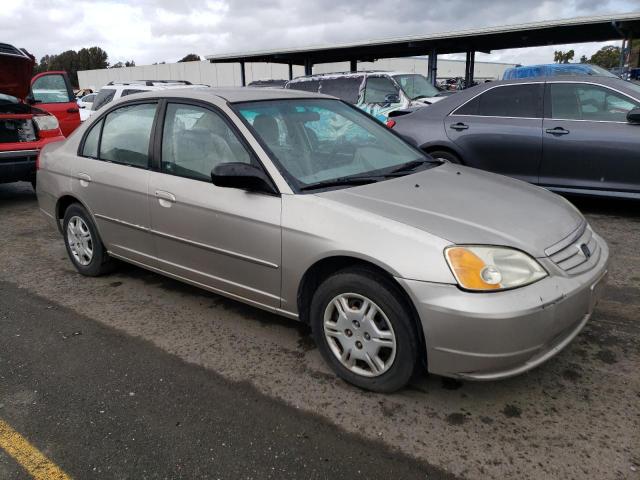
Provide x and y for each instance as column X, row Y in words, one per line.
column 588, row 143
column 500, row 130
column 52, row 92
column 111, row 177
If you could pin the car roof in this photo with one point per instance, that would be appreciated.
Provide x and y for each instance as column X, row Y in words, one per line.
column 231, row 94
column 359, row 73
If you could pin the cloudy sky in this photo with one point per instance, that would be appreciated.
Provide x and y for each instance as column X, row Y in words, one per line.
column 150, row 31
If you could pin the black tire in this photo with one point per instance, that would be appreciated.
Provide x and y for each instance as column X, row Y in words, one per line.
column 381, row 291
column 446, row 155
column 100, row 262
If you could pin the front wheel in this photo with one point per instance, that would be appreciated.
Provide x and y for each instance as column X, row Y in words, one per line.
column 364, row 330
column 445, row 155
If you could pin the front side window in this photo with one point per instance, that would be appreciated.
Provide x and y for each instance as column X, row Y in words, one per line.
column 126, row 134
column 105, row 95
column 315, row 140
column 51, row 88
column 195, row 140
column 519, row 101
column 576, row 101
column 380, row 90
column 416, row 86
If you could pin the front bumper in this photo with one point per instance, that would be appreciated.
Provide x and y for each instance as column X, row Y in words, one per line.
column 489, row 336
column 18, row 165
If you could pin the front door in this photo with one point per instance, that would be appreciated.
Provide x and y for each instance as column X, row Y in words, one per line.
column 52, row 92
column 111, row 177
column 500, row 130
column 588, row 143
column 223, row 238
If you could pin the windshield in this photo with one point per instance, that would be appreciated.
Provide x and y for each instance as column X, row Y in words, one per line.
column 318, row 140
column 416, row 86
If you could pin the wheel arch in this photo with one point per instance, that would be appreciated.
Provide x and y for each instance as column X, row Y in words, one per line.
column 64, row 202
column 325, row 267
column 442, row 147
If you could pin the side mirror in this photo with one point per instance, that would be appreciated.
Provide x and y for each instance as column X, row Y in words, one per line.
column 392, row 98
column 242, row 176
column 633, row 116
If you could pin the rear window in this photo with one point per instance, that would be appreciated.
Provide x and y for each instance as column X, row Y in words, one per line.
column 104, row 96
column 523, row 101
column 305, row 85
column 345, row 88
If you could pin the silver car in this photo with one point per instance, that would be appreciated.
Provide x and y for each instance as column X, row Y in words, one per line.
column 302, row 205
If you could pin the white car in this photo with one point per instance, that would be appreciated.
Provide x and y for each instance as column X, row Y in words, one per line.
column 114, row 90
column 84, row 104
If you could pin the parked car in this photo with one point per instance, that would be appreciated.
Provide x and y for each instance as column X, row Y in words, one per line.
column 115, row 90
column 307, row 207
column 275, row 83
column 84, row 104
column 24, row 127
column 375, row 92
column 577, row 135
column 556, row 70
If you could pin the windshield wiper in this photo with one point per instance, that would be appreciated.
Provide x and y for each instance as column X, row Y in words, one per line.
column 336, row 182
column 410, row 166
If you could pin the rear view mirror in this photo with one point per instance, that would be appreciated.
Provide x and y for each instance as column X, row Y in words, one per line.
column 633, row 116
column 242, row 176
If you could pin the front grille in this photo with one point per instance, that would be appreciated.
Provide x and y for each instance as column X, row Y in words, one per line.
column 577, row 253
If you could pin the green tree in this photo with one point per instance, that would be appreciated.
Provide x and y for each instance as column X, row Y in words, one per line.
column 71, row 61
column 563, row 57
column 607, row 57
column 192, row 57
column 584, row 59
column 92, row 58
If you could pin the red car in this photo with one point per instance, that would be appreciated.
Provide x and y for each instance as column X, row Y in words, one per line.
column 33, row 112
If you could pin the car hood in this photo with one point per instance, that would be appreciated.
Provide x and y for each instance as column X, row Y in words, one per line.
column 468, row 206
column 15, row 73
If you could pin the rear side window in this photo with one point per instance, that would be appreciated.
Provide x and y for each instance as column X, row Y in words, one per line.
column 131, row 91
column 509, row 101
column 126, row 134
column 90, row 147
column 305, row 85
column 345, row 88
column 104, row 96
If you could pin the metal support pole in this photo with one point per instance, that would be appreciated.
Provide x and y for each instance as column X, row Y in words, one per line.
column 308, row 66
column 472, row 68
column 243, row 78
column 290, row 71
column 466, row 69
column 621, row 63
column 433, row 66
column 353, row 65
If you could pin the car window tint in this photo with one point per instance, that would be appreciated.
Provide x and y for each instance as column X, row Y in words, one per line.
column 126, row 134
column 507, row 101
column 90, row 147
column 51, row 88
column 131, row 91
column 195, row 140
column 345, row 88
column 377, row 89
column 305, row 85
column 575, row 101
column 104, row 96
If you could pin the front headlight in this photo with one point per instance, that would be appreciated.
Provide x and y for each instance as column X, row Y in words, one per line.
column 46, row 122
column 484, row 268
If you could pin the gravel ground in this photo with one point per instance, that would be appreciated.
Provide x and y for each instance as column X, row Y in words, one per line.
column 577, row 416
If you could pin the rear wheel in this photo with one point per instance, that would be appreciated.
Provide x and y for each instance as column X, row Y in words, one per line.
column 446, row 155
column 364, row 330
column 84, row 247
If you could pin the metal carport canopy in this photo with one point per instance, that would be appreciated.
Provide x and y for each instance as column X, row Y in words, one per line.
column 555, row 32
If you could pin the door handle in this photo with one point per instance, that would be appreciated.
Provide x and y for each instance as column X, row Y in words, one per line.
column 165, row 198
column 459, row 126
column 557, row 131
column 84, row 178
column 72, row 110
